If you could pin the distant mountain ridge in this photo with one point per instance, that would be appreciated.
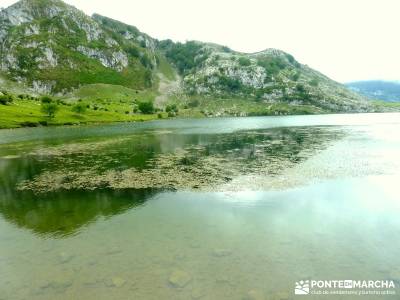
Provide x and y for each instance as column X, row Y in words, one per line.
column 377, row 89
column 55, row 48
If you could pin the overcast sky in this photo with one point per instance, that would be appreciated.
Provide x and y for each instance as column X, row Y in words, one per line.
column 344, row 39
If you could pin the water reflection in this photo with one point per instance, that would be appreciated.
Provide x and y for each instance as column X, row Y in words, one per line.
column 173, row 161
column 57, row 189
column 80, row 231
column 63, row 214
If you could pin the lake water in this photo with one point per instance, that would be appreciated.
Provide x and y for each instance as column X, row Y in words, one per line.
column 229, row 208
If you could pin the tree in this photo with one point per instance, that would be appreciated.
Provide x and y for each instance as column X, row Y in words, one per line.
column 146, row 107
column 244, row 61
column 171, row 108
column 185, row 56
column 46, row 99
column 6, row 99
column 314, row 82
column 295, row 76
column 79, row 108
column 300, row 88
column 49, row 107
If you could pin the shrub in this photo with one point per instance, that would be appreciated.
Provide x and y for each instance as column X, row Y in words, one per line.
column 46, row 99
column 146, row 107
column 272, row 65
column 244, row 61
column 229, row 84
column 314, row 82
column 226, row 49
column 50, row 109
column 29, row 124
column 145, row 61
column 194, row 103
column 79, row 108
column 5, row 99
column 133, row 51
column 295, row 76
column 185, row 56
column 171, row 108
column 300, row 88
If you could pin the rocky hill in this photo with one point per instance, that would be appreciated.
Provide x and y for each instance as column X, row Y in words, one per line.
column 54, row 48
column 377, row 89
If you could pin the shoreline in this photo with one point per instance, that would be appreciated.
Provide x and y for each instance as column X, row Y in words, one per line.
column 149, row 118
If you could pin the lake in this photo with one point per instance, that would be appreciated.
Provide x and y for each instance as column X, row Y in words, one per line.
column 224, row 208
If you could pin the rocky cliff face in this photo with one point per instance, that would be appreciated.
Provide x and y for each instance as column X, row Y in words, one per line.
column 53, row 47
column 268, row 76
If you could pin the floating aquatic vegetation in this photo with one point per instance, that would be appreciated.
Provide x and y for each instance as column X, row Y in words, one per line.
column 208, row 164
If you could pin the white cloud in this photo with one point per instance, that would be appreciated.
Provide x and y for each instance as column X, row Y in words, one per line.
column 344, row 39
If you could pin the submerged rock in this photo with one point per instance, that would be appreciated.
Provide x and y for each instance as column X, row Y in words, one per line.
column 112, row 251
column 221, row 252
column 64, row 258
column 254, row 295
column 58, row 285
column 198, row 293
column 224, row 279
column 280, row 296
column 179, row 279
column 116, row 282
column 194, row 245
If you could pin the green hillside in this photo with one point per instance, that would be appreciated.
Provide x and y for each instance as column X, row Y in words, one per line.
column 50, row 48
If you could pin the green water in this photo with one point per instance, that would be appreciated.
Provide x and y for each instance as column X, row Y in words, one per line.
column 199, row 209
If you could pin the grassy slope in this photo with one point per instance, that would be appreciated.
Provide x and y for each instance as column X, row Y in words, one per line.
column 103, row 92
column 166, row 69
column 112, row 102
column 25, row 112
column 383, row 106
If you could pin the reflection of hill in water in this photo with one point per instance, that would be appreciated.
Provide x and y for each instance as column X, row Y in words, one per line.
column 65, row 187
column 180, row 161
column 63, row 214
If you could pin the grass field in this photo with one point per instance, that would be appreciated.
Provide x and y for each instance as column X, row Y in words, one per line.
column 107, row 103
column 104, row 102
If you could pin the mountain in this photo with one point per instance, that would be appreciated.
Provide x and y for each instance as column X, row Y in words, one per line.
column 51, row 47
column 54, row 47
column 377, row 89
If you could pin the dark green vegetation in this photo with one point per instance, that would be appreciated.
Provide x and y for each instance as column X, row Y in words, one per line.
column 146, row 107
column 6, row 98
column 49, row 107
column 376, row 89
column 186, row 57
column 119, row 73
